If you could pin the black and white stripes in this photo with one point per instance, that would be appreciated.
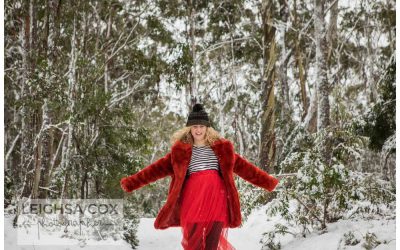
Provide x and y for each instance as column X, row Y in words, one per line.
column 203, row 158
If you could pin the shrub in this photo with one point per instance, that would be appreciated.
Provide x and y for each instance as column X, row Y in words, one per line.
column 322, row 192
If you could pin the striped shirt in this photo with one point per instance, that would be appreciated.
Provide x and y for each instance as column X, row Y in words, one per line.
column 203, row 158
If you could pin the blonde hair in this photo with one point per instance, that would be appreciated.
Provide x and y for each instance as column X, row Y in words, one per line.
column 185, row 136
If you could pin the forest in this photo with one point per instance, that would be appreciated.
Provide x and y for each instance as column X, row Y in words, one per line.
column 304, row 89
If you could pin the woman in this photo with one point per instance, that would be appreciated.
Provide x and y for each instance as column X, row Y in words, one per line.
column 202, row 197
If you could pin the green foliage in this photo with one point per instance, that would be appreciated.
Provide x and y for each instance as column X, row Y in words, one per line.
column 369, row 195
column 350, row 239
column 322, row 192
column 317, row 188
column 251, row 197
column 223, row 17
column 157, row 31
column 171, row 8
column 269, row 241
column 380, row 122
column 131, row 221
column 371, row 241
column 181, row 66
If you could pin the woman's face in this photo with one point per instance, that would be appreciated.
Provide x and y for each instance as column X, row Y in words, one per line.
column 198, row 132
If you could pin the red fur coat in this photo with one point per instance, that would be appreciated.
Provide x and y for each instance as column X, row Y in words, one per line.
column 175, row 164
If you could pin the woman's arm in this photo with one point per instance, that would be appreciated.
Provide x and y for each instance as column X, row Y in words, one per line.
column 253, row 174
column 157, row 170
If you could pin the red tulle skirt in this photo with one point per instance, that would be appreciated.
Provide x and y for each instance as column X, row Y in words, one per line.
column 204, row 212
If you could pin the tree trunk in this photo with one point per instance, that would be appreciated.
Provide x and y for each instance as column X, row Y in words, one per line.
column 71, row 107
column 310, row 120
column 84, row 184
column 27, row 156
column 368, row 61
column 283, row 62
column 321, row 58
column 191, row 35
column 37, row 172
column 221, row 114
column 321, row 63
column 332, row 31
column 301, row 69
column 106, row 71
column 45, row 154
column 267, row 137
column 46, row 120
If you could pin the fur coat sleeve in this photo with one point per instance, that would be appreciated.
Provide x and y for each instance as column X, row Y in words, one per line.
column 253, row 174
column 157, row 170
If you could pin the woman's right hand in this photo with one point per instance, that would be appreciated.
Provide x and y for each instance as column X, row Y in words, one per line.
column 126, row 184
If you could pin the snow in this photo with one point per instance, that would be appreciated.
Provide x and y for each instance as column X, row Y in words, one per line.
column 246, row 237
column 384, row 230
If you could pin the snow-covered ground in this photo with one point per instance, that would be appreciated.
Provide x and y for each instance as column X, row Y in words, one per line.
column 245, row 238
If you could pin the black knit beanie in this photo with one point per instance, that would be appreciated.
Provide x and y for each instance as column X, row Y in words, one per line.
column 198, row 116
